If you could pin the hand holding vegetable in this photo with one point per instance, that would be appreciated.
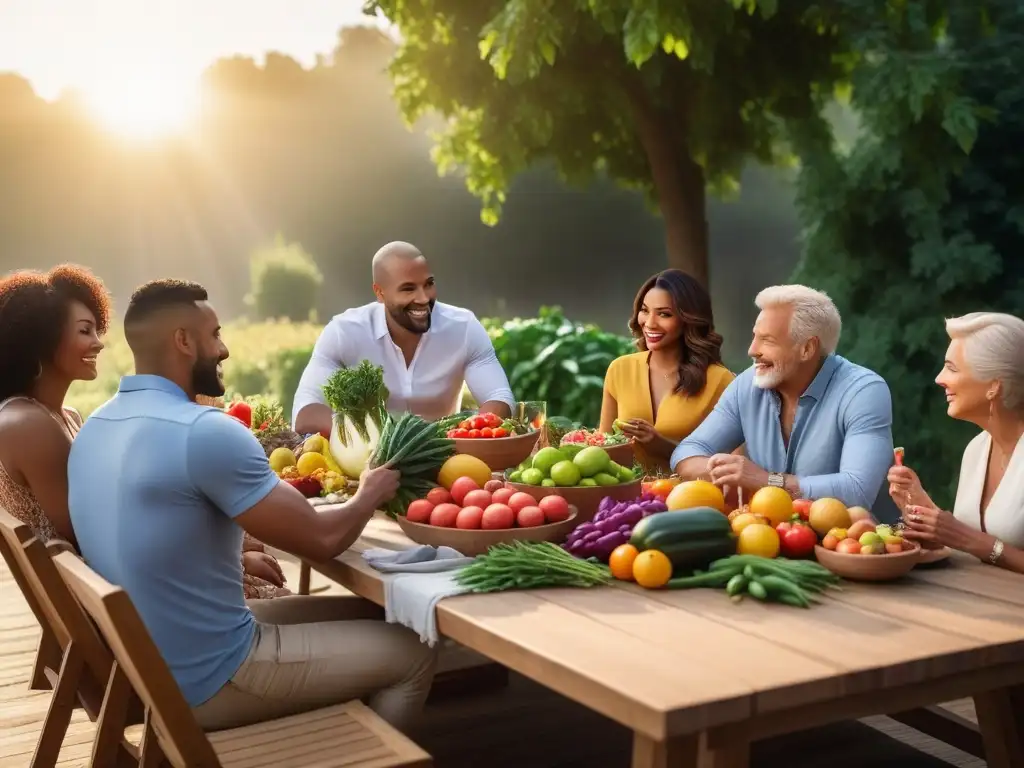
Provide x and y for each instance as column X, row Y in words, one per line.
column 378, row 486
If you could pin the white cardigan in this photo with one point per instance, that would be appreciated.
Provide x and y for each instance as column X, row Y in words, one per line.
column 1004, row 517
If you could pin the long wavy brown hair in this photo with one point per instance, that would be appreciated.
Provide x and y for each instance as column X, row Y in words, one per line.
column 699, row 345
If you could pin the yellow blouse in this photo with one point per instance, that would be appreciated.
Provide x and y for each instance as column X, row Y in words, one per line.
column 628, row 381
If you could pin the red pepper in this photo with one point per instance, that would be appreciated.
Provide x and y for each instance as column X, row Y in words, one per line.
column 796, row 538
column 242, row 411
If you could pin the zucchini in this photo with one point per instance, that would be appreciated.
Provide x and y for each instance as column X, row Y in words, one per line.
column 697, row 553
column 690, row 538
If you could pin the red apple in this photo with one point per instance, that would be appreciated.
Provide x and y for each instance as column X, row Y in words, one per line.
column 530, row 517
column 555, row 508
column 444, row 515
column 497, row 516
column 469, row 518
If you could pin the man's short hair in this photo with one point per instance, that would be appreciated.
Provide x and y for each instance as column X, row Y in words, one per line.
column 814, row 314
column 161, row 294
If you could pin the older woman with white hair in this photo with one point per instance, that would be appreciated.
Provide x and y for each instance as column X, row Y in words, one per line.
column 983, row 377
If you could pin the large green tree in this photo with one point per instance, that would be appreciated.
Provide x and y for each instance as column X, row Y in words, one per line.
column 672, row 98
column 923, row 217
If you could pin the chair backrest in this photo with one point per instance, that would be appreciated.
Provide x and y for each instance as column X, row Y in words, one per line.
column 182, row 740
column 53, row 604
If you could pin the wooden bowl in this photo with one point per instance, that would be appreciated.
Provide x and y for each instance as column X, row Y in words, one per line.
column 586, row 499
column 499, row 452
column 869, row 567
column 476, row 542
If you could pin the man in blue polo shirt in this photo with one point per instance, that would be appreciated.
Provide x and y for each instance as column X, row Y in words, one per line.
column 160, row 492
column 811, row 421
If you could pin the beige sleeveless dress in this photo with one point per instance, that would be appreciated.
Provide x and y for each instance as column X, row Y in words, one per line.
column 18, row 500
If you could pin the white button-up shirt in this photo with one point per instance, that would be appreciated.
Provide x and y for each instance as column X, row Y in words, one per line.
column 456, row 349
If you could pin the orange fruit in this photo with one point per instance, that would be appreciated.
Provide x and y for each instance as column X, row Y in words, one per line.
column 744, row 519
column 774, row 504
column 696, row 493
column 621, row 561
column 652, row 569
column 758, row 539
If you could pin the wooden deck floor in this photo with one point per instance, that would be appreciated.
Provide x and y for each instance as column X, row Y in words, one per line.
column 506, row 726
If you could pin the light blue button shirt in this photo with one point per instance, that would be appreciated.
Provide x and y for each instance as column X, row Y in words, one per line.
column 841, row 443
column 154, row 484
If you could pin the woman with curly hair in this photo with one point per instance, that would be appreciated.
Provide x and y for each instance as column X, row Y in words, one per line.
column 661, row 393
column 50, row 329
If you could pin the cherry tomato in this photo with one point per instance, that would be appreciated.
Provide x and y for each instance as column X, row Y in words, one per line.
column 493, row 420
column 450, row 433
column 464, row 424
column 477, row 422
column 486, row 432
column 474, row 433
column 501, row 432
column 461, row 433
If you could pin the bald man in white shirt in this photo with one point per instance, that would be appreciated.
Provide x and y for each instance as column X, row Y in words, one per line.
column 427, row 348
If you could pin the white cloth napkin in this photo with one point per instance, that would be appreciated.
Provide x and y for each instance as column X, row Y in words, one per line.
column 417, row 579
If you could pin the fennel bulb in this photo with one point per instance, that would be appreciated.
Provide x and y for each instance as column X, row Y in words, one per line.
column 349, row 447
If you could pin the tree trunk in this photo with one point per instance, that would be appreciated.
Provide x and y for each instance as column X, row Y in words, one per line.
column 679, row 184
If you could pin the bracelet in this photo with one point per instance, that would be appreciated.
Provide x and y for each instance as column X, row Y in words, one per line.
column 996, row 553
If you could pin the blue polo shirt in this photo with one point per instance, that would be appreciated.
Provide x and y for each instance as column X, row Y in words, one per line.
column 154, row 484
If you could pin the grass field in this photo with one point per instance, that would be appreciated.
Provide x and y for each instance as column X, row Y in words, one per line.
column 253, row 346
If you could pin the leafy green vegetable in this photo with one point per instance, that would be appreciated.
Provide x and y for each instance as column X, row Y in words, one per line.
column 530, row 565
column 416, row 448
column 360, row 394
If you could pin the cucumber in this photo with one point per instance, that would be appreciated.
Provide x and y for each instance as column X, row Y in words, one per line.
column 679, row 525
column 697, row 553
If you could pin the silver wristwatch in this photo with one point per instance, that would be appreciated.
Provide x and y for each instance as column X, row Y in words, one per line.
column 996, row 553
column 776, row 480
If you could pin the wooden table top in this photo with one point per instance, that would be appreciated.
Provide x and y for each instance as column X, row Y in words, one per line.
column 666, row 663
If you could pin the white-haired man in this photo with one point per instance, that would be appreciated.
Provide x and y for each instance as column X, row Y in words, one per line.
column 812, row 422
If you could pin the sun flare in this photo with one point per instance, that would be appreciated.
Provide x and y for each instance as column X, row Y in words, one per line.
column 140, row 107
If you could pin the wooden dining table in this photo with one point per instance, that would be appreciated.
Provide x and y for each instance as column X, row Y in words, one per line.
column 698, row 678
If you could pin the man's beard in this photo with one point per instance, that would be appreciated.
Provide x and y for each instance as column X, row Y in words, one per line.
column 401, row 316
column 773, row 378
column 205, row 380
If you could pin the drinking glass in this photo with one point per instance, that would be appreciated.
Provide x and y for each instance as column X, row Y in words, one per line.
column 532, row 412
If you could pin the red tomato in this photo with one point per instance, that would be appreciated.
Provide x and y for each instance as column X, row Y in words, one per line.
column 487, row 432
column 461, row 433
column 439, row 496
column 241, row 411
column 502, row 496
column 477, row 498
column 493, row 419
column 444, row 515
column 477, row 422
column 497, row 516
column 555, row 508
column 802, row 507
column 519, row 500
column 419, row 511
column 469, row 518
column 464, row 424
column 796, row 539
column 475, row 434
column 461, row 487
column 530, row 517
column 500, row 432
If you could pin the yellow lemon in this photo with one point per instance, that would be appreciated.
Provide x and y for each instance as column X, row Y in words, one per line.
column 310, row 462
column 281, row 458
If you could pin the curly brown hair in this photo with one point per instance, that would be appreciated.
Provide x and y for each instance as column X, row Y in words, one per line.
column 700, row 346
column 33, row 312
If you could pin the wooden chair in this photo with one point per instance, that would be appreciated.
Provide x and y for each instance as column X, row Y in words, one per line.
column 349, row 735
column 72, row 659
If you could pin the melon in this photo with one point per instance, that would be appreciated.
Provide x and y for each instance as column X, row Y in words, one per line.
column 463, row 465
column 827, row 514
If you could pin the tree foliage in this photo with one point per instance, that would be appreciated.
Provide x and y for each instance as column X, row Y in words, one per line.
column 669, row 98
column 285, row 282
column 924, row 217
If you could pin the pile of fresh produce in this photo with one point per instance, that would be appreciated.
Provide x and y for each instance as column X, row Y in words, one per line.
column 311, row 468
column 565, row 468
column 486, row 426
column 791, row 582
column 611, row 527
column 529, row 565
column 592, row 437
column 418, row 449
column 866, row 538
column 467, row 506
column 358, row 399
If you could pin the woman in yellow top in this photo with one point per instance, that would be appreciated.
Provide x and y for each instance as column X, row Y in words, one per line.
column 661, row 393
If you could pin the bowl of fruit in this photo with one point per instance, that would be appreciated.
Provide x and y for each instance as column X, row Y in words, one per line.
column 499, row 443
column 867, row 552
column 472, row 519
column 618, row 447
column 583, row 477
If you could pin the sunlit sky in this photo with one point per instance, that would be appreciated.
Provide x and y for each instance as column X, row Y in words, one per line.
column 121, row 53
